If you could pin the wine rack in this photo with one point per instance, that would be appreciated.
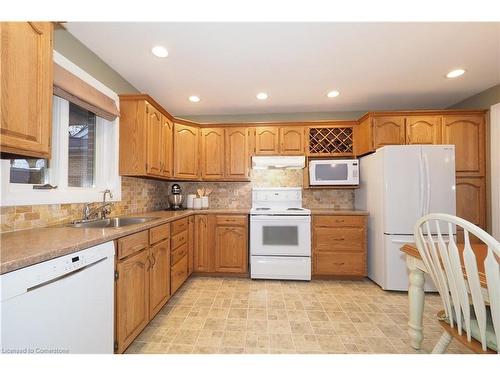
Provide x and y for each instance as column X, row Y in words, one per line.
column 330, row 141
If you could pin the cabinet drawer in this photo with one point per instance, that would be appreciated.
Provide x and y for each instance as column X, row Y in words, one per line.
column 339, row 239
column 159, row 233
column 179, row 239
column 338, row 221
column 132, row 244
column 178, row 253
column 342, row 264
column 178, row 274
column 179, row 226
column 231, row 220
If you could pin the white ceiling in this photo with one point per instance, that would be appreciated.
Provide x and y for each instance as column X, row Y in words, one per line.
column 373, row 65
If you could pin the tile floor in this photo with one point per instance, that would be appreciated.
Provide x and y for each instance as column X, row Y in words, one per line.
column 230, row 315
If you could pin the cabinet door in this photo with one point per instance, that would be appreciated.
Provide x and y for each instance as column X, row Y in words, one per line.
column 471, row 197
column 154, row 124
column 467, row 133
column 292, row 140
column 191, row 231
column 132, row 298
column 185, row 151
column 237, row 154
column 212, row 153
column 202, row 254
column 26, row 88
column 423, row 130
column 267, row 140
column 389, row 130
column 167, row 149
column 231, row 249
column 159, row 276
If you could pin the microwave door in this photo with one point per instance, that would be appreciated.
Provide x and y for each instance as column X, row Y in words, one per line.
column 331, row 174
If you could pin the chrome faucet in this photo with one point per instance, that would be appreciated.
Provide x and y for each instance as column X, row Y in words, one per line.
column 101, row 211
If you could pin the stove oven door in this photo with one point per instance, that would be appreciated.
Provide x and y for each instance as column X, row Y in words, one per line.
column 280, row 235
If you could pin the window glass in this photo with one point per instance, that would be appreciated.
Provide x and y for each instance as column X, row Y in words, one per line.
column 82, row 145
column 29, row 171
column 331, row 172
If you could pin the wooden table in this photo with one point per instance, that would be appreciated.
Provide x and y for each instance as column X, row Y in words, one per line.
column 416, row 293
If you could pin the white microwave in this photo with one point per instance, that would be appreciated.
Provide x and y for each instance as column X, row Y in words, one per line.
column 334, row 172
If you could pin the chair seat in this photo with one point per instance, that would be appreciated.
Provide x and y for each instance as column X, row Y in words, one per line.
column 491, row 340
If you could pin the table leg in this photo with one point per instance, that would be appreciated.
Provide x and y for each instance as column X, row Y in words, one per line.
column 416, row 302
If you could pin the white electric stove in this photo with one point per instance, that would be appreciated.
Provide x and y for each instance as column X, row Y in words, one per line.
column 280, row 235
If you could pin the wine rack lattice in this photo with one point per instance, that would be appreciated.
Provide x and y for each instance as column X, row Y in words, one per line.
column 337, row 140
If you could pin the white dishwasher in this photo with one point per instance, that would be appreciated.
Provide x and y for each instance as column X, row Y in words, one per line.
column 64, row 305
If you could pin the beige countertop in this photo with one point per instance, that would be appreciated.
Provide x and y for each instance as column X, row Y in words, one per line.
column 332, row 211
column 24, row 248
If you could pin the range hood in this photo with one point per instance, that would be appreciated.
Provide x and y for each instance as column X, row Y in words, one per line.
column 278, row 162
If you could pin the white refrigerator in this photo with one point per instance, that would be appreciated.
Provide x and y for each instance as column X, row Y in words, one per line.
column 398, row 185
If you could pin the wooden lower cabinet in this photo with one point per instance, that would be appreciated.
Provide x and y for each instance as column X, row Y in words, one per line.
column 179, row 259
column 190, row 244
column 132, row 298
column 471, row 198
column 159, row 277
column 231, row 249
column 339, row 245
column 142, row 281
column 221, row 244
column 201, row 258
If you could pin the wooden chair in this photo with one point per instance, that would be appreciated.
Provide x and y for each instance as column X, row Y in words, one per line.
column 468, row 305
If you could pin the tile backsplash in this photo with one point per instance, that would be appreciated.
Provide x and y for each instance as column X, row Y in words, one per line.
column 239, row 194
column 141, row 195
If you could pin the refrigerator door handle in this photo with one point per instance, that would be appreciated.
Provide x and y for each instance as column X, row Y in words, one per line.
column 427, row 185
column 421, row 181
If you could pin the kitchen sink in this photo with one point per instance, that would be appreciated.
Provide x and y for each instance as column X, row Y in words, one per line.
column 115, row 222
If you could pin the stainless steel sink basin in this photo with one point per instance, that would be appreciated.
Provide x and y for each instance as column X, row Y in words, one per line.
column 115, row 222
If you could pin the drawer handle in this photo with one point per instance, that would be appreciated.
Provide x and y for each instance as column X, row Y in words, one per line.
column 339, row 239
column 339, row 264
column 340, row 220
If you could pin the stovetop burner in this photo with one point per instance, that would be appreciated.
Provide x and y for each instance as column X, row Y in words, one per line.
column 263, row 208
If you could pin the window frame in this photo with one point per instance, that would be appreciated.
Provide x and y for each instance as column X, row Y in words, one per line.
column 106, row 157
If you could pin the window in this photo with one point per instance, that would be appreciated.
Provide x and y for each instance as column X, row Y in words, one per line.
column 29, row 171
column 82, row 145
column 84, row 159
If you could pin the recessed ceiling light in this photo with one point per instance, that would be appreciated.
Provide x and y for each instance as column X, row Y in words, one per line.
column 333, row 94
column 262, row 96
column 159, row 51
column 455, row 73
column 194, row 99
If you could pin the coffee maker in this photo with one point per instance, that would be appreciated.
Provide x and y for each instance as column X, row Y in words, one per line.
column 175, row 198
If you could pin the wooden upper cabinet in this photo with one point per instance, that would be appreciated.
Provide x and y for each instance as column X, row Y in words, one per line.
column 26, row 88
column 292, row 140
column 167, row 147
column 267, row 140
column 212, row 153
column 388, row 130
column 467, row 133
column 132, row 298
column 237, row 157
column 154, row 123
column 363, row 137
column 231, row 249
column 423, row 130
column 186, row 148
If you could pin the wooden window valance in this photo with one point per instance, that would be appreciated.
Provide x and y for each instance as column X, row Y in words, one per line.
column 74, row 89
